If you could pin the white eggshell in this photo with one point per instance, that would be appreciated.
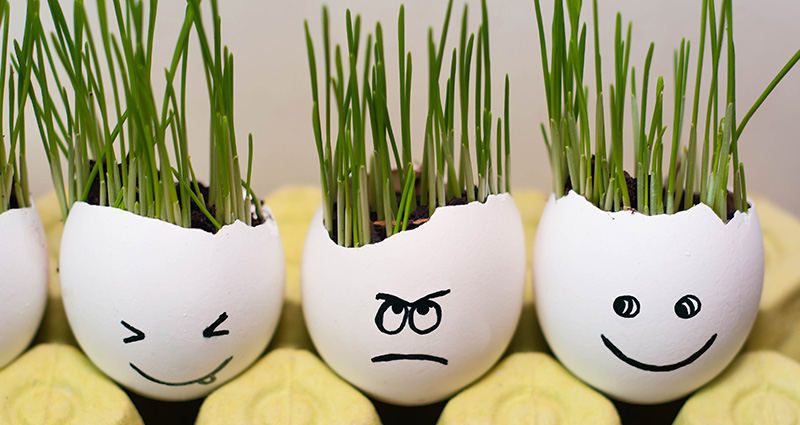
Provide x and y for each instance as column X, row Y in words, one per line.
column 170, row 283
column 585, row 258
column 474, row 251
column 23, row 280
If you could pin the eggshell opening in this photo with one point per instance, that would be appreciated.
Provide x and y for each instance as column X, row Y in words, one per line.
column 206, row 304
column 468, row 260
column 696, row 282
column 23, row 280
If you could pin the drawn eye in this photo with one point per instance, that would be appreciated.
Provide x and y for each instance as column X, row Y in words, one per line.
column 138, row 335
column 688, row 306
column 626, row 306
column 211, row 330
column 392, row 314
column 426, row 315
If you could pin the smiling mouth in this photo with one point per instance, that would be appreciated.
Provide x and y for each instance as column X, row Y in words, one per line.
column 653, row 368
column 205, row 380
column 423, row 357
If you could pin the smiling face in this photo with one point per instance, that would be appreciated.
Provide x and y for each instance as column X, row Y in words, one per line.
column 208, row 332
column 658, row 306
column 415, row 318
column 167, row 312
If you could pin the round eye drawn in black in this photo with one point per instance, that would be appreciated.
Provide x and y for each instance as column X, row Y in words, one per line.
column 138, row 335
column 212, row 331
column 399, row 307
column 626, row 306
column 422, row 313
column 688, row 306
column 416, row 313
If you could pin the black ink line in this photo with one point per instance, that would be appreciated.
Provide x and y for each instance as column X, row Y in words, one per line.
column 211, row 377
column 210, row 331
column 392, row 357
column 652, row 368
column 133, row 338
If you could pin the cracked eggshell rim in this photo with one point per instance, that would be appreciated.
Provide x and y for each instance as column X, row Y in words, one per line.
column 24, row 276
column 170, row 283
column 584, row 258
column 477, row 251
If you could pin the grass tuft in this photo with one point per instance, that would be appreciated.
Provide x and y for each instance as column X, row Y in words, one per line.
column 361, row 188
column 598, row 174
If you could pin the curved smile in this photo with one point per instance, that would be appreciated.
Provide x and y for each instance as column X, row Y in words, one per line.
column 424, row 357
column 653, row 368
column 205, row 380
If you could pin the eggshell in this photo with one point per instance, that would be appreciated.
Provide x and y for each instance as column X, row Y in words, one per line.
column 584, row 259
column 23, row 280
column 172, row 284
column 474, row 251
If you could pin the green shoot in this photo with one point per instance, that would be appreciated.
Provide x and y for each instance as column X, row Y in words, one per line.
column 116, row 141
column 598, row 175
column 374, row 193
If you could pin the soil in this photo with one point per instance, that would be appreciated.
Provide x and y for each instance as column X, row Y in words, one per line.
column 416, row 218
column 12, row 201
column 199, row 220
column 631, row 182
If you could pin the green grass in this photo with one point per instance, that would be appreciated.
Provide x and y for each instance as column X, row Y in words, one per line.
column 121, row 127
column 359, row 185
column 14, row 86
column 597, row 172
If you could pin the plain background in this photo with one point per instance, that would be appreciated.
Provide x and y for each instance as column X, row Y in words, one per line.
column 273, row 97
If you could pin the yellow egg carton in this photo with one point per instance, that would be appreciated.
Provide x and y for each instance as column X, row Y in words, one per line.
column 291, row 385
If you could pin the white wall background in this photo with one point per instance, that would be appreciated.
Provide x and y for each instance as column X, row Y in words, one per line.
column 273, row 98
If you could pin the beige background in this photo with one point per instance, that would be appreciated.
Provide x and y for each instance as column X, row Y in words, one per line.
column 273, row 96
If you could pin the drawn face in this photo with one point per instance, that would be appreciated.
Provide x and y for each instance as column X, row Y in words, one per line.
column 209, row 332
column 658, row 305
column 423, row 316
column 417, row 317
column 167, row 312
column 627, row 306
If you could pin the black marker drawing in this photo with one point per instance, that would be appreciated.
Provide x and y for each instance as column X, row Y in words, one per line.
column 205, row 380
column 208, row 332
column 626, row 306
column 211, row 330
column 133, row 338
column 654, row 368
column 394, row 356
column 688, row 306
column 420, row 307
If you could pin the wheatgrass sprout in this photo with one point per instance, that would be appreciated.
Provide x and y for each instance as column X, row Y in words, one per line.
column 369, row 196
column 598, row 174
column 115, row 139
column 13, row 163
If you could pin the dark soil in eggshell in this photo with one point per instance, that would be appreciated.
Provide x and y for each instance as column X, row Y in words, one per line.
column 631, row 183
column 12, row 201
column 416, row 218
column 199, row 220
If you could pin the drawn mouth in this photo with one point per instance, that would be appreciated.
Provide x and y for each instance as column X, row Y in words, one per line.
column 205, row 380
column 653, row 368
column 423, row 357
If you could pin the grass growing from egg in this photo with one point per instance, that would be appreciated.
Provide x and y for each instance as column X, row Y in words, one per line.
column 357, row 184
column 121, row 129
column 597, row 172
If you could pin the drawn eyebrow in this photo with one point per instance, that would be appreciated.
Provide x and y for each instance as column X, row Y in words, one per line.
column 210, row 331
column 391, row 298
column 139, row 335
column 436, row 294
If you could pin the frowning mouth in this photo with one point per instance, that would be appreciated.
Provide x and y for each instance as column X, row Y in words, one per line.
column 653, row 368
column 205, row 380
column 423, row 357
